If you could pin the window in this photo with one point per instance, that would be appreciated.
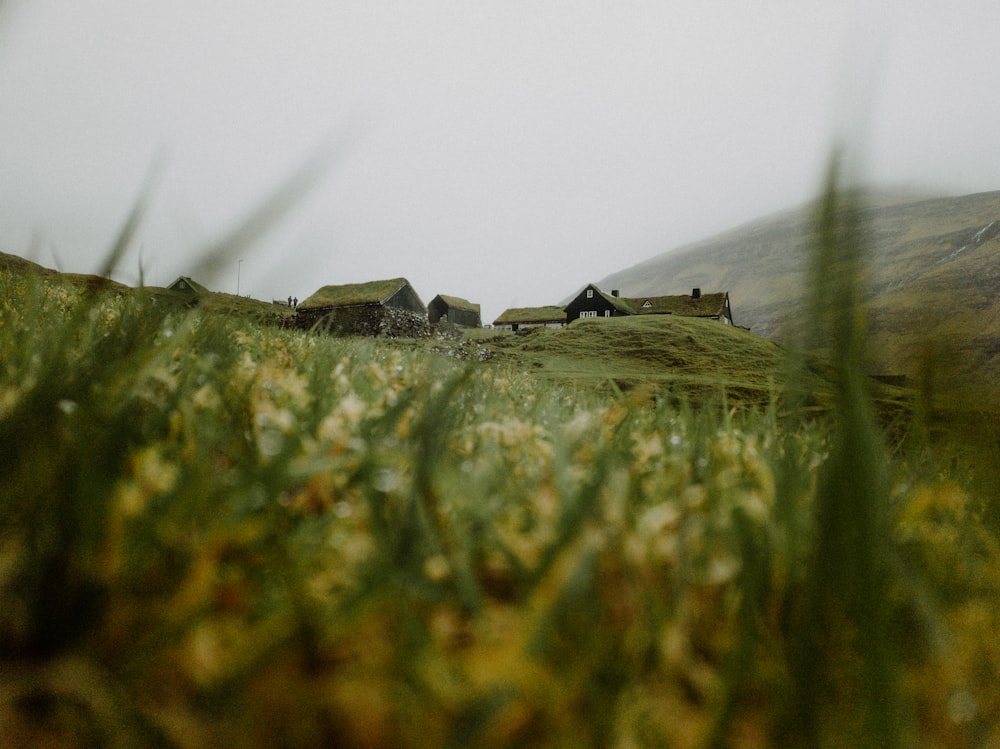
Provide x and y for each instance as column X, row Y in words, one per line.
column 607, row 313
column 588, row 313
column 590, row 293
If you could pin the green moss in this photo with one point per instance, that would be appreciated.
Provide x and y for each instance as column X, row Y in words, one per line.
column 353, row 293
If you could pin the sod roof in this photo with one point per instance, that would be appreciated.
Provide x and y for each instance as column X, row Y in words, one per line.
column 707, row 305
column 186, row 283
column 624, row 306
column 455, row 302
column 531, row 315
column 372, row 292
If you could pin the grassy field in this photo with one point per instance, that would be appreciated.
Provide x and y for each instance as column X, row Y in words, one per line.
column 635, row 533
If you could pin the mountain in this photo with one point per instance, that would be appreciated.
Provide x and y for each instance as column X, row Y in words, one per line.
column 932, row 284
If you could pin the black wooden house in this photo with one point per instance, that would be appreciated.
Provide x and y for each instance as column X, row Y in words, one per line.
column 592, row 302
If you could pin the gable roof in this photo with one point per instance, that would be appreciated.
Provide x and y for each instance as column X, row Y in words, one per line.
column 455, row 302
column 344, row 295
column 186, row 283
column 706, row 305
column 531, row 315
column 622, row 305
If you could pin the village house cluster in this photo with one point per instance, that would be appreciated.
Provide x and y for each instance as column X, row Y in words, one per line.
column 593, row 302
column 392, row 307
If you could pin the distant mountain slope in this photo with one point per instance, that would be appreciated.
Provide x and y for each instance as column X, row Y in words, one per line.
column 933, row 285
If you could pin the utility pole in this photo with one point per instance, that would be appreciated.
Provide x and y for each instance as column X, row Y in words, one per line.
column 239, row 267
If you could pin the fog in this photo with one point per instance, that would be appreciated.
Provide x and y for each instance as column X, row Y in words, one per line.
column 504, row 152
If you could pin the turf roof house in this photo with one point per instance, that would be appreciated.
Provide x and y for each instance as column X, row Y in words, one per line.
column 455, row 310
column 377, row 308
column 592, row 302
column 522, row 318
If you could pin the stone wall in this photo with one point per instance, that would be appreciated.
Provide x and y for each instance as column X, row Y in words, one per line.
column 371, row 320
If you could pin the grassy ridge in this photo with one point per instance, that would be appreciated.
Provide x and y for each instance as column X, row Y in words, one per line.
column 682, row 359
column 665, row 353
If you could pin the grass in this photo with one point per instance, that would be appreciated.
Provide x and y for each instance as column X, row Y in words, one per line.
column 651, row 357
column 355, row 293
column 217, row 532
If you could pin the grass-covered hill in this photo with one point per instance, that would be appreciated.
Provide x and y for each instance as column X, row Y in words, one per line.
column 932, row 288
column 652, row 356
column 211, row 301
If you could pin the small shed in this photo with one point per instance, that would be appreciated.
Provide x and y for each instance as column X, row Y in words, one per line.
column 454, row 310
column 388, row 308
column 187, row 285
column 523, row 318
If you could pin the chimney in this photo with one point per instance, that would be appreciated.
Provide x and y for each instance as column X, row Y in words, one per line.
column 696, row 293
column 614, row 292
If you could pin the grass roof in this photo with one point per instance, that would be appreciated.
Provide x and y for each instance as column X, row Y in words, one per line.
column 622, row 305
column 354, row 293
column 531, row 315
column 707, row 305
column 188, row 283
column 456, row 302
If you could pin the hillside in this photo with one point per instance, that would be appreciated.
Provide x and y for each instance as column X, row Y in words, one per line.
column 212, row 301
column 666, row 351
column 659, row 356
column 932, row 289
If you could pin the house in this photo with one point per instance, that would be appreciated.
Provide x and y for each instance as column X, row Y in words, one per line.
column 592, row 302
column 522, row 318
column 187, row 285
column 455, row 310
column 378, row 308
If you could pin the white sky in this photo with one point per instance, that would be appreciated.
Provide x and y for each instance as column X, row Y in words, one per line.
column 505, row 151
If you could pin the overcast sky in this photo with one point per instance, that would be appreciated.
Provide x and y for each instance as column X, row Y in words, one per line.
column 503, row 151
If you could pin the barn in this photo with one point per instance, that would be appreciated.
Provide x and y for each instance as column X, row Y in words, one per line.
column 389, row 308
column 454, row 310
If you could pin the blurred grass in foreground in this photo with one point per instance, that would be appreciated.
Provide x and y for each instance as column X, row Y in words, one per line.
column 214, row 532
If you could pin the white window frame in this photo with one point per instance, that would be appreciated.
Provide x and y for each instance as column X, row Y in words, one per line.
column 588, row 313
column 590, row 293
